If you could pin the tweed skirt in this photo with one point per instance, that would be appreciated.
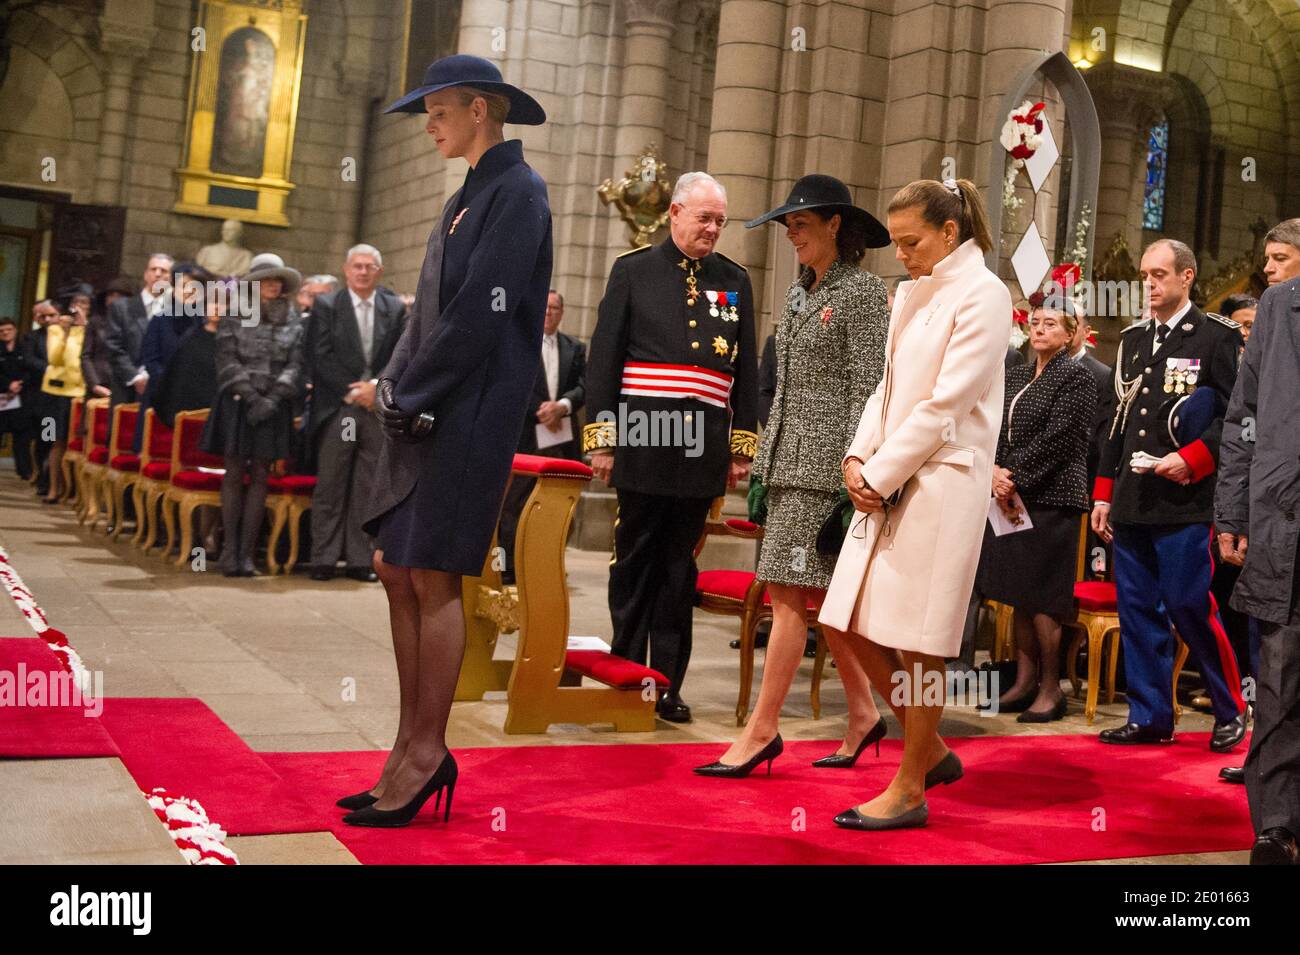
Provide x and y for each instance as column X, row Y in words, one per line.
column 789, row 552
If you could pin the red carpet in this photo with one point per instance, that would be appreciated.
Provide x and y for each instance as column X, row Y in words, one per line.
column 1025, row 799
column 182, row 746
column 43, row 731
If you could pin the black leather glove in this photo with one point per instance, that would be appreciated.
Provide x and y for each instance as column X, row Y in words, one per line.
column 392, row 417
column 258, row 409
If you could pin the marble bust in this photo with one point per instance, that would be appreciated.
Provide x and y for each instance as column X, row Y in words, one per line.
column 226, row 257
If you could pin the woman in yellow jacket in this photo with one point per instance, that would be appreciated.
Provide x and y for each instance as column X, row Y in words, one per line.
column 63, row 376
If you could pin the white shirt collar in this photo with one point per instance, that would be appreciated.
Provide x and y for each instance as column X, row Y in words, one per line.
column 1083, row 350
column 1177, row 316
column 357, row 299
column 147, row 298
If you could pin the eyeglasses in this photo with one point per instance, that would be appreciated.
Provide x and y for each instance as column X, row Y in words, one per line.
column 703, row 218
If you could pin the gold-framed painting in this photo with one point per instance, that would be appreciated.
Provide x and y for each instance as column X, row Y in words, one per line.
column 243, row 107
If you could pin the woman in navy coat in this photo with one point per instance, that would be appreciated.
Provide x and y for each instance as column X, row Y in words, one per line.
column 453, row 399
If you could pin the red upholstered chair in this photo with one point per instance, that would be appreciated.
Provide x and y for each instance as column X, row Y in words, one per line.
column 95, row 462
column 288, row 499
column 739, row 593
column 152, row 482
column 545, row 681
column 76, row 452
column 123, row 467
column 194, row 481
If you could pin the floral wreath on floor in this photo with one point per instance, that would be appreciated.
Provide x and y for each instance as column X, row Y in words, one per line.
column 200, row 840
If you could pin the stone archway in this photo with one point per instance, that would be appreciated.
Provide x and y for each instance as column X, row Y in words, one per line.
column 1085, row 132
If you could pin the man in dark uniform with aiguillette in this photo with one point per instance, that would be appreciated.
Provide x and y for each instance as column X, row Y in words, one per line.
column 1154, row 494
column 672, row 397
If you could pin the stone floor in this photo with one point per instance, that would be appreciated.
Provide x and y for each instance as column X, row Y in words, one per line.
column 271, row 656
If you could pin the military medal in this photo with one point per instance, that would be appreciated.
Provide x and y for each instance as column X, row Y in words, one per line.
column 712, row 296
column 1170, row 366
column 690, row 268
column 720, row 345
column 1193, row 372
column 734, row 298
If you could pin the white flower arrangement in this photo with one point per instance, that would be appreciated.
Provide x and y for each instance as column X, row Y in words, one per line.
column 200, row 840
column 1022, row 134
column 1078, row 253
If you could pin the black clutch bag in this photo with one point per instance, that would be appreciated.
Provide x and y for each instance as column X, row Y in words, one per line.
column 830, row 537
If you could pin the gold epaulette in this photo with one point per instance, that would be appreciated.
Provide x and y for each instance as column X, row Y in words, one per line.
column 744, row 444
column 599, row 435
column 731, row 260
column 639, row 248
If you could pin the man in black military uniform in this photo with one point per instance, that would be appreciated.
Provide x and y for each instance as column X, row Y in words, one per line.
column 672, row 394
column 1154, row 496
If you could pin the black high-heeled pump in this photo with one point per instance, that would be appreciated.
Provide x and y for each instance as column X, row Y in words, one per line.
column 444, row 777
column 838, row 761
column 768, row 753
column 357, row 801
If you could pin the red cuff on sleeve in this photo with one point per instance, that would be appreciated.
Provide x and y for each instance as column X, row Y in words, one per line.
column 1199, row 459
column 1102, row 488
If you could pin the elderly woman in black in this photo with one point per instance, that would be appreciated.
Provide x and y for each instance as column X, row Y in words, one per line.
column 830, row 354
column 452, row 400
column 1048, row 410
column 259, row 369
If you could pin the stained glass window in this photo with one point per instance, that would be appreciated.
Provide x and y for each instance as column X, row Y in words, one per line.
column 1153, row 197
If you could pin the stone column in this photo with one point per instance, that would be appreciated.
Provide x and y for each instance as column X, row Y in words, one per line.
column 647, row 57
column 125, row 37
column 751, row 44
column 1128, row 102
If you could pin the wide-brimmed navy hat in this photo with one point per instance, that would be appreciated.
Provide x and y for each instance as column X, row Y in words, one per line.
column 827, row 193
column 461, row 69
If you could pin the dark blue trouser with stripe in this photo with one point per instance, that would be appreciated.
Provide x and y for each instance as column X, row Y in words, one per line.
column 1162, row 579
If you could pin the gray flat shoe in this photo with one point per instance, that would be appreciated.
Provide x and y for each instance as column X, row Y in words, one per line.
column 912, row 819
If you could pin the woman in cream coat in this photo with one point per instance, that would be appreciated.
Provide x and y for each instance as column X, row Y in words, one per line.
column 919, row 470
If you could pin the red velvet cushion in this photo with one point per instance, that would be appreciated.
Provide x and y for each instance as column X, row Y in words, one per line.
column 126, row 426
column 732, row 584
column 158, row 470
column 74, row 425
column 191, row 456
column 1096, row 595
column 160, row 441
column 191, row 480
column 98, row 456
column 125, row 462
column 303, row 484
column 76, row 444
column 536, row 464
column 100, row 420
column 612, row 670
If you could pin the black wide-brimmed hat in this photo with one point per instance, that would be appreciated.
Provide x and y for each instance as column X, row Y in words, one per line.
column 827, row 193
column 461, row 69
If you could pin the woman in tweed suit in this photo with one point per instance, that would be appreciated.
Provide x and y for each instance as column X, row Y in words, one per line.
column 830, row 345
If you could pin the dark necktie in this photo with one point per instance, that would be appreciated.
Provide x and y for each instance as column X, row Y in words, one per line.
column 1162, row 332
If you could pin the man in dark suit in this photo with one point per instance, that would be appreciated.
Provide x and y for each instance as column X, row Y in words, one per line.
column 549, row 429
column 37, row 359
column 673, row 417
column 1154, row 499
column 127, row 319
column 354, row 331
